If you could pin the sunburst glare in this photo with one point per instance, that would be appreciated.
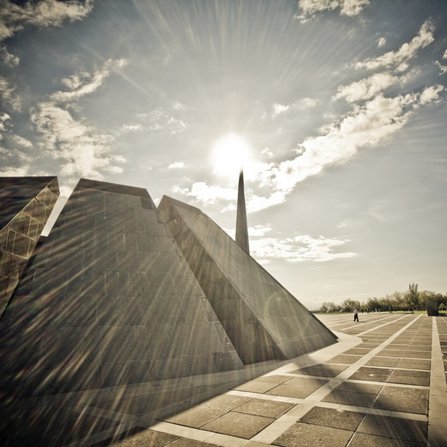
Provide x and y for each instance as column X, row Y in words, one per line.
column 231, row 153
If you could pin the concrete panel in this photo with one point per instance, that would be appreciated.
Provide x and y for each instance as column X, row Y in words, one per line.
column 262, row 319
column 109, row 299
column 25, row 205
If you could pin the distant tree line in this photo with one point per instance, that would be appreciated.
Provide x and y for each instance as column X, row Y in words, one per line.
column 403, row 301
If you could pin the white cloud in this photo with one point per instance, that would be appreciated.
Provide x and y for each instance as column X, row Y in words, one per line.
column 82, row 149
column 10, row 60
column 43, row 14
column 366, row 88
column 9, row 96
column 178, row 106
column 259, row 230
column 126, row 128
column 351, row 8
column 365, row 126
column 14, row 171
column 398, row 59
column 431, row 94
column 302, row 104
column 177, row 165
column 299, row 249
column 267, row 152
column 4, row 119
column 23, row 142
column 159, row 120
column 381, row 42
column 277, row 109
column 207, row 194
column 442, row 68
column 84, row 83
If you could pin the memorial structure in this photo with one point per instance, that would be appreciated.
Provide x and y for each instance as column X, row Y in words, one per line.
column 25, row 205
column 122, row 293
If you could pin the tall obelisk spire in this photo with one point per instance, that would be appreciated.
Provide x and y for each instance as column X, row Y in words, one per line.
column 241, row 217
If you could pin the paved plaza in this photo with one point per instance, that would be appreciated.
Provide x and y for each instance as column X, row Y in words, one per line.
column 384, row 384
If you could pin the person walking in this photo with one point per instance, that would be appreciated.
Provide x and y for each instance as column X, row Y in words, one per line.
column 356, row 315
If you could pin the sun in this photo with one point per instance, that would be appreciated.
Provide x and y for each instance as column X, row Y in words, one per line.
column 230, row 154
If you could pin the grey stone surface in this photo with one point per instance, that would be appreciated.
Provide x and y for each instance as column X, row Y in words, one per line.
column 147, row 438
column 25, row 205
column 345, row 420
column 299, row 387
column 372, row 374
column 348, row 398
column 241, row 217
column 185, row 442
column 321, row 370
column 267, row 408
column 307, row 435
column 261, row 318
column 367, row 388
column 402, row 399
column 409, row 377
column 226, row 402
column 345, row 359
column 196, row 417
column 238, row 424
column 383, row 361
column 364, row 440
column 402, row 429
column 112, row 301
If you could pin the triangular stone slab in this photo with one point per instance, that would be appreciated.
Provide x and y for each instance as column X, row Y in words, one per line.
column 25, row 205
column 109, row 300
column 262, row 319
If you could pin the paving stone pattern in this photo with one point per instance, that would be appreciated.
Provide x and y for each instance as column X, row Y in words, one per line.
column 382, row 401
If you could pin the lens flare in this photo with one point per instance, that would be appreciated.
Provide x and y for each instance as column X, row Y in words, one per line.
column 231, row 153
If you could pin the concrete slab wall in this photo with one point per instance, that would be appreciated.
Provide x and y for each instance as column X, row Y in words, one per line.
column 242, row 293
column 108, row 300
column 25, row 205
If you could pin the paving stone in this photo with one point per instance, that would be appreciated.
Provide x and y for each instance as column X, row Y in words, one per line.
column 262, row 407
column 327, row 417
column 410, row 377
column 372, row 374
column 225, row 402
column 352, row 387
column 196, row 417
column 383, row 361
column 403, row 429
column 414, row 364
column 347, row 398
column 273, row 379
column 321, row 370
column 238, row 424
column 147, row 438
column 256, row 386
column 345, row 359
column 185, row 442
column 307, row 435
column 298, row 387
column 364, row 440
column 402, row 399
column 357, row 351
column 368, row 345
column 417, row 355
column 391, row 353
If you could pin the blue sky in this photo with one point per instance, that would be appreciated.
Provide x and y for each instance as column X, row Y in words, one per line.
column 339, row 107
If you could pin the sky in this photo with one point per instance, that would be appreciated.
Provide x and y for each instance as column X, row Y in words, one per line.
column 337, row 110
